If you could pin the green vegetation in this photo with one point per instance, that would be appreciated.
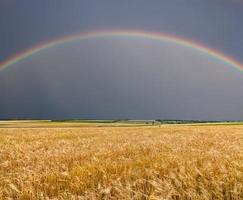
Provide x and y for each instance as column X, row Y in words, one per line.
column 107, row 123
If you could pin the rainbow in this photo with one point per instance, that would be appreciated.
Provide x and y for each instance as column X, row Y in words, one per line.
column 121, row 33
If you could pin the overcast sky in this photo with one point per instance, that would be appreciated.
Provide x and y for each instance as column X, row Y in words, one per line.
column 121, row 77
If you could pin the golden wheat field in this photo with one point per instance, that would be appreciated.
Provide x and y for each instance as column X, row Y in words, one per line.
column 148, row 162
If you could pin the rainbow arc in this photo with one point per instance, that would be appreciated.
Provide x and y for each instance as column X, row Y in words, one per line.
column 121, row 33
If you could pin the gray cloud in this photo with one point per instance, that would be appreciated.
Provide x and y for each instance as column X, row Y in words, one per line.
column 121, row 78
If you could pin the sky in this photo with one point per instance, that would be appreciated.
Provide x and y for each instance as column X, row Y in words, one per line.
column 121, row 77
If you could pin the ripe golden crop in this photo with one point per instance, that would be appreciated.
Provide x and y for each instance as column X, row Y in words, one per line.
column 168, row 162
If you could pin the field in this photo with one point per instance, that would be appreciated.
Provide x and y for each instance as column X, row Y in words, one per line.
column 43, row 160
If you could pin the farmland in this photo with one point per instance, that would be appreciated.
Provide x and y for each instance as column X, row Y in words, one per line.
column 70, row 160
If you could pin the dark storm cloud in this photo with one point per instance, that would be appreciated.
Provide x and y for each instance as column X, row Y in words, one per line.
column 121, row 78
column 214, row 22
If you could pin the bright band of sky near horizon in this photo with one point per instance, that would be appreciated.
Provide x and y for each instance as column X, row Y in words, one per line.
column 121, row 33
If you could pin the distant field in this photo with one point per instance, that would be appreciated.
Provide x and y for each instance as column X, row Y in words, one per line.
column 70, row 123
column 120, row 160
column 102, row 123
